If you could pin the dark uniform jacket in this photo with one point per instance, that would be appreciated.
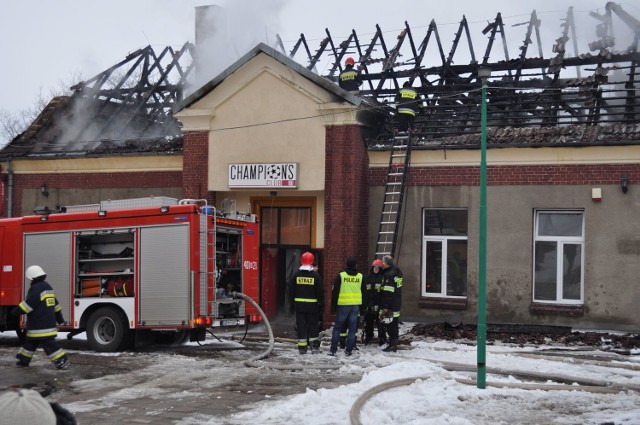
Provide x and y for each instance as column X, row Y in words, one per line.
column 306, row 292
column 408, row 101
column 42, row 310
column 349, row 79
column 372, row 284
column 391, row 293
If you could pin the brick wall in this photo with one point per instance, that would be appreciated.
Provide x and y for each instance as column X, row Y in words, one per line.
column 515, row 175
column 346, row 202
column 89, row 182
column 195, row 165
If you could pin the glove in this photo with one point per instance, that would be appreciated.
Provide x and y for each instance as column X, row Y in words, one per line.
column 59, row 318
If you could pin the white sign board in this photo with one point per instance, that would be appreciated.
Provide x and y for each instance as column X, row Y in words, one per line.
column 281, row 175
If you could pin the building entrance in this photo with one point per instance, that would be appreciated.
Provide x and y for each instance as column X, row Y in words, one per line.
column 285, row 235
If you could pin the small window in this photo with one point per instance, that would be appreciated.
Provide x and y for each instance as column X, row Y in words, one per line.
column 558, row 273
column 444, row 253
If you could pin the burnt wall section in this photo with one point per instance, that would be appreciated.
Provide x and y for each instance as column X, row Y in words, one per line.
column 346, row 201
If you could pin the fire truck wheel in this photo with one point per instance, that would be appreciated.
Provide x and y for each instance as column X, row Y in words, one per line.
column 107, row 330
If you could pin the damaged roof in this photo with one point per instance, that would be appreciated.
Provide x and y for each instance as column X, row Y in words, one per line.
column 571, row 98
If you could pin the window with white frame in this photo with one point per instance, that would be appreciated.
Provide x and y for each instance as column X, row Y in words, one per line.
column 558, row 272
column 444, row 252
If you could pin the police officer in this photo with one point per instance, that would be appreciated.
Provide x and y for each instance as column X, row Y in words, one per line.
column 349, row 79
column 346, row 300
column 391, row 300
column 306, row 297
column 406, row 105
column 43, row 311
column 371, row 303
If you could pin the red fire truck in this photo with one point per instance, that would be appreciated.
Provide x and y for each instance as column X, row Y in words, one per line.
column 129, row 270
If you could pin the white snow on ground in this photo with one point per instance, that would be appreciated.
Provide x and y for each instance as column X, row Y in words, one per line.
column 435, row 396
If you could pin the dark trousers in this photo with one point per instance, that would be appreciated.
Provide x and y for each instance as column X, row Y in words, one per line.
column 308, row 330
column 50, row 346
column 405, row 122
column 371, row 321
column 392, row 329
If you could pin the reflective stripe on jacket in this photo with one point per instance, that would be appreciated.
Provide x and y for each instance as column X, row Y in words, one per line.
column 350, row 289
column 407, row 101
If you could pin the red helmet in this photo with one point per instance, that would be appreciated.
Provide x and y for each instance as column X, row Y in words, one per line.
column 377, row 263
column 307, row 259
column 350, row 61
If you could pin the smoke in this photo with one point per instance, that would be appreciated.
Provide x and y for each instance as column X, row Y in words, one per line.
column 225, row 33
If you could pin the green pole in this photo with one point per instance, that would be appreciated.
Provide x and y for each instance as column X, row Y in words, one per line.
column 482, row 249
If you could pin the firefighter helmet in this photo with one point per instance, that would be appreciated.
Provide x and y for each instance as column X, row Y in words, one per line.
column 307, row 259
column 377, row 263
column 34, row 272
column 350, row 61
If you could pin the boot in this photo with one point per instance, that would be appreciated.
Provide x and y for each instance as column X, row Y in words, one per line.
column 302, row 350
column 392, row 347
column 62, row 363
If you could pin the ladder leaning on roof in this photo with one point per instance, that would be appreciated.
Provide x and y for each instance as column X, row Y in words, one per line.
column 393, row 194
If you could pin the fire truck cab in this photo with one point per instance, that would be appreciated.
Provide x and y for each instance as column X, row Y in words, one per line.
column 127, row 270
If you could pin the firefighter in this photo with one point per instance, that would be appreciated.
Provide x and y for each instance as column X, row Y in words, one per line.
column 406, row 105
column 346, row 300
column 306, row 298
column 371, row 304
column 391, row 300
column 43, row 311
column 349, row 79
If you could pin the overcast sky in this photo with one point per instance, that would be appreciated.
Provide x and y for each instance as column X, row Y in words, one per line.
column 44, row 43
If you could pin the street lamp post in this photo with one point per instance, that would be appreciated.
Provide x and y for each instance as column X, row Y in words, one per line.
column 483, row 74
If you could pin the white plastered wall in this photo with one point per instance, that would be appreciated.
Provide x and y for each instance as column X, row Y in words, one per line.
column 266, row 112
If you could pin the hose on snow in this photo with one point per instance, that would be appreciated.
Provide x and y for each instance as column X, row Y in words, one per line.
column 251, row 362
column 588, row 385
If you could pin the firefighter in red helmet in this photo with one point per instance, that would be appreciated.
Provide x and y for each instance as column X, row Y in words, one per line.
column 349, row 79
column 306, row 299
column 371, row 303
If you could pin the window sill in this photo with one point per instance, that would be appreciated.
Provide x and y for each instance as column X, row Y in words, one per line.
column 443, row 303
column 557, row 309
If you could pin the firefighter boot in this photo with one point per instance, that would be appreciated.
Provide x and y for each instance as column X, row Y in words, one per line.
column 302, row 350
column 315, row 347
column 23, row 361
column 392, row 347
column 62, row 363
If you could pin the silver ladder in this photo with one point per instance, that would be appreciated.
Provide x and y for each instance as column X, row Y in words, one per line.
column 394, row 194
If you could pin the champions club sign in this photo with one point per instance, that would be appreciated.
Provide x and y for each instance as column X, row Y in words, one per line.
column 283, row 175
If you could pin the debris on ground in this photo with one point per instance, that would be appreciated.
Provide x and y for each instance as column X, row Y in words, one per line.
column 620, row 343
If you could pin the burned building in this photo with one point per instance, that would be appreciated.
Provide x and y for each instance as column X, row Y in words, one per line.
column 562, row 159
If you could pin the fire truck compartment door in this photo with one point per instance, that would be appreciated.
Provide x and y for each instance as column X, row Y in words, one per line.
column 164, row 279
column 52, row 252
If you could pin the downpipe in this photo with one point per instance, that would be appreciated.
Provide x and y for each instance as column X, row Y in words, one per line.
column 252, row 361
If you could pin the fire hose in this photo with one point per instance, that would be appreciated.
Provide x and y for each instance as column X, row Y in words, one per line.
column 252, row 361
column 587, row 385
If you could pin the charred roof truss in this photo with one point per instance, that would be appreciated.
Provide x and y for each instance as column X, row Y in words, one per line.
column 578, row 88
